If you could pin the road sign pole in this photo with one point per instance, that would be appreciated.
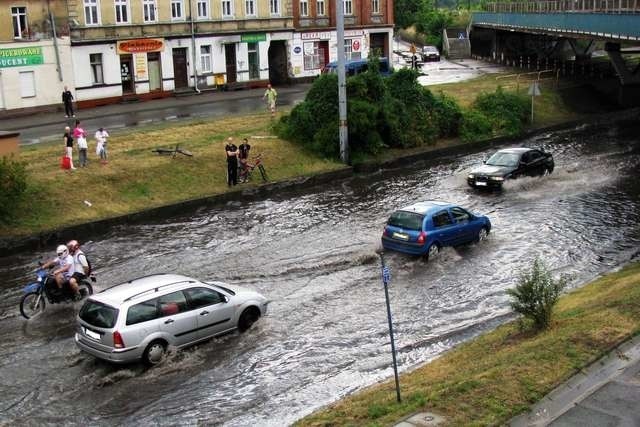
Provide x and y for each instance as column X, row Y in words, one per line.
column 386, row 277
column 532, row 108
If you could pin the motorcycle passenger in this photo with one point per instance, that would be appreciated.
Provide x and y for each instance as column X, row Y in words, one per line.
column 63, row 265
column 81, row 267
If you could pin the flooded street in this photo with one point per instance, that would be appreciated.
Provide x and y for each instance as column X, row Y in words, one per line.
column 313, row 254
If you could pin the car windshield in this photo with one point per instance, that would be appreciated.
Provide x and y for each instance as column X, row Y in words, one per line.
column 98, row 314
column 406, row 220
column 503, row 159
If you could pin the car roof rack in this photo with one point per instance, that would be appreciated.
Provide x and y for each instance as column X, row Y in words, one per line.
column 133, row 280
column 157, row 288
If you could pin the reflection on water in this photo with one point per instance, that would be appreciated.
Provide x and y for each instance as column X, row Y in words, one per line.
column 314, row 255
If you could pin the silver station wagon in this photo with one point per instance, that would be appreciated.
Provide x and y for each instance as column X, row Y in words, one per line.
column 140, row 319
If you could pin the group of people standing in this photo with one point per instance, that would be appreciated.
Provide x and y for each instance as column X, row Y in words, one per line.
column 237, row 158
column 80, row 136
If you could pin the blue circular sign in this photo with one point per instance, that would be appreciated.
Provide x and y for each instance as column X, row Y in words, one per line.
column 297, row 49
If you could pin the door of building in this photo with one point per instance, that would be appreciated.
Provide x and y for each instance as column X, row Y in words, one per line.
column 323, row 49
column 126, row 74
column 230, row 58
column 378, row 45
column 180, row 74
column 278, row 62
column 155, row 73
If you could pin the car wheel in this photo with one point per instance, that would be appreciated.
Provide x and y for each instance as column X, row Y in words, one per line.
column 546, row 172
column 248, row 318
column 433, row 251
column 154, row 353
column 482, row 234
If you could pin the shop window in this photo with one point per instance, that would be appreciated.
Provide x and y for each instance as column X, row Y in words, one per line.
column 313, row 56
column 91, row 10
column 19, row 16
column 27, row 84
column 149, row 10
column 122, row 11
column 205, row 58
column 95, row 59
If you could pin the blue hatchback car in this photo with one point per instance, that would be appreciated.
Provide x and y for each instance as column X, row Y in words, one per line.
column 425, row 227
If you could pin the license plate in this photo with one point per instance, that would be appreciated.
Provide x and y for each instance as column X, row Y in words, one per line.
column 481, row 184
column 400, row 236
column 91, row 334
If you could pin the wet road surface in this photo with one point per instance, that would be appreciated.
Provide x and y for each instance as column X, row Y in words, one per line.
column 313, row 254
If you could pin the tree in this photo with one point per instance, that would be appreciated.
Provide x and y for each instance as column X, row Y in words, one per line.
column 405, row 12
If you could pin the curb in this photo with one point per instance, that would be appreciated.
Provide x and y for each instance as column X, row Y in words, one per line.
column 11, row 245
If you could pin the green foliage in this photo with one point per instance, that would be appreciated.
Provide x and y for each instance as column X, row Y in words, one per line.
column 432, row 21
column 13, row 184
column 536, row 294
column 474, row 126
column 405, row 12
column 447, row 115
column 508, row 112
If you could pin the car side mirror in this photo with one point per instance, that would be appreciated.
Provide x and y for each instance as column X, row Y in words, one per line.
column 225, row 298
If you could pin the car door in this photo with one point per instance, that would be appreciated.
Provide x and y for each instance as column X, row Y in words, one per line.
column 176, row 319
column 444, row 229
column 535, row 165
column 463, row 224
column 213, row 312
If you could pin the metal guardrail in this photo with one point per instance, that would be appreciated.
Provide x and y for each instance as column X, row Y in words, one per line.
column 566, row 6
column 536, row 76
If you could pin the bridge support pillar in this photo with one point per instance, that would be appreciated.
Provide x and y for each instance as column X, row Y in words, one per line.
column 629, row 91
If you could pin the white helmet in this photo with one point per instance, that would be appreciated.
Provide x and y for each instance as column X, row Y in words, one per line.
column 62, row 251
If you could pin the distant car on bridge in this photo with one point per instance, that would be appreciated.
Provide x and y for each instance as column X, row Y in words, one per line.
column 510, row 163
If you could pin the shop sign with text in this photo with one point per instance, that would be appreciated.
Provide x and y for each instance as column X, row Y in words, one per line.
column 21, row 56
column 253, row 38
column 140, row 46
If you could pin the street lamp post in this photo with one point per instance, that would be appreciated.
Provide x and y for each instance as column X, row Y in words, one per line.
column 342, row 85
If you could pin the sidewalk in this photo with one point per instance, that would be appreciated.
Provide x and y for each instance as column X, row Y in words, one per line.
column 205, row 97
column 606, row 393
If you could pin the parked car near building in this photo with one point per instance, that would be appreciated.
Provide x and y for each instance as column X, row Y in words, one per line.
column 430, row 53
column 357, row 66
column 510, row 163
column 140, row 319
column 424, row 228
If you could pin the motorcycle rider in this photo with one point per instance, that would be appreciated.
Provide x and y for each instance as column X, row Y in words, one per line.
column 81, row 267
column 63, row 264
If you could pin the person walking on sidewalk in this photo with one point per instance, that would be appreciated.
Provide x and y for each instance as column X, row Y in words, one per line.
column 80, row 135
column 271, row 95
column 68, row 145
column 232, row 162
column 67, row 100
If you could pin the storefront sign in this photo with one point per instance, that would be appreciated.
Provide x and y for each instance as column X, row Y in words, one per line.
column 141, row 67
column 316, row 36
column 297, row 50
column 21, row 56
column 140, row 46
column 253, row 38
column 352, row 33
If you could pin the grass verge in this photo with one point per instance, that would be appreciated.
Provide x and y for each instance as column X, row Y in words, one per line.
column 500, row 374
column 136, row 178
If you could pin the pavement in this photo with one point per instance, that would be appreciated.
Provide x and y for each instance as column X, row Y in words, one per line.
column 604, row 394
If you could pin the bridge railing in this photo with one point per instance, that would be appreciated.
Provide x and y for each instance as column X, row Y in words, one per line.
column 534, row 76
column 566, row 6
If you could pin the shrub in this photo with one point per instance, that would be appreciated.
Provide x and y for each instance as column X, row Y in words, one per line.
column 13, row 184
column 447, row 115
column 474, row 126
column 536, row 294
column 508, row 112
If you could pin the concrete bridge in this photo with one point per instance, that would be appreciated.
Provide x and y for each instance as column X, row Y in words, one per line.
column 544, row 30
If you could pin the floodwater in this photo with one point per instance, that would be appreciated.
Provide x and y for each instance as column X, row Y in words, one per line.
column 313, row 254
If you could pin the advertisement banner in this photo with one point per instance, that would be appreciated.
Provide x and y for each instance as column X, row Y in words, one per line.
column 140, row 46
column 21, row 56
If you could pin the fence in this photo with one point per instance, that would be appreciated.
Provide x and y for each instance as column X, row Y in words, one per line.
column 565, row 6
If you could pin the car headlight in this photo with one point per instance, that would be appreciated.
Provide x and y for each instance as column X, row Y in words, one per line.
column 39, row 278
column 471, row 176
column 496, row 178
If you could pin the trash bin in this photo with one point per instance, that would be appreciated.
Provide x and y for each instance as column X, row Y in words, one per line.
column 219, row 81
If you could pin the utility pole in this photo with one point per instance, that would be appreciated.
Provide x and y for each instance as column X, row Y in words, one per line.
column 342, row 85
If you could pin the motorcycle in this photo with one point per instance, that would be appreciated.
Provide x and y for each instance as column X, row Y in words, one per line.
column 45, row 289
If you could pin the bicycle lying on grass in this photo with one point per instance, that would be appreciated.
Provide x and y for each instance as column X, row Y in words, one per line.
column 246, row 169
column 173, row 151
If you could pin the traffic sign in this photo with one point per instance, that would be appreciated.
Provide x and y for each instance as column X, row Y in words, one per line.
column 534, row 89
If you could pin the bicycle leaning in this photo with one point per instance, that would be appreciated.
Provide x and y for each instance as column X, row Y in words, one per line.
column 246, row 169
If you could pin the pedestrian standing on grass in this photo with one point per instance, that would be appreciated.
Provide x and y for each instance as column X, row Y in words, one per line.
column 80, row 135
column 232, row 162
column 68, row 145
column 243, row 158
column 101, row 144
column 67, row 100
column 271, row 95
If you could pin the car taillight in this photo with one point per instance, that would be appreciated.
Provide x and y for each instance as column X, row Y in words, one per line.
column 386, row 232
column 117, row 340
column 422, row 237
